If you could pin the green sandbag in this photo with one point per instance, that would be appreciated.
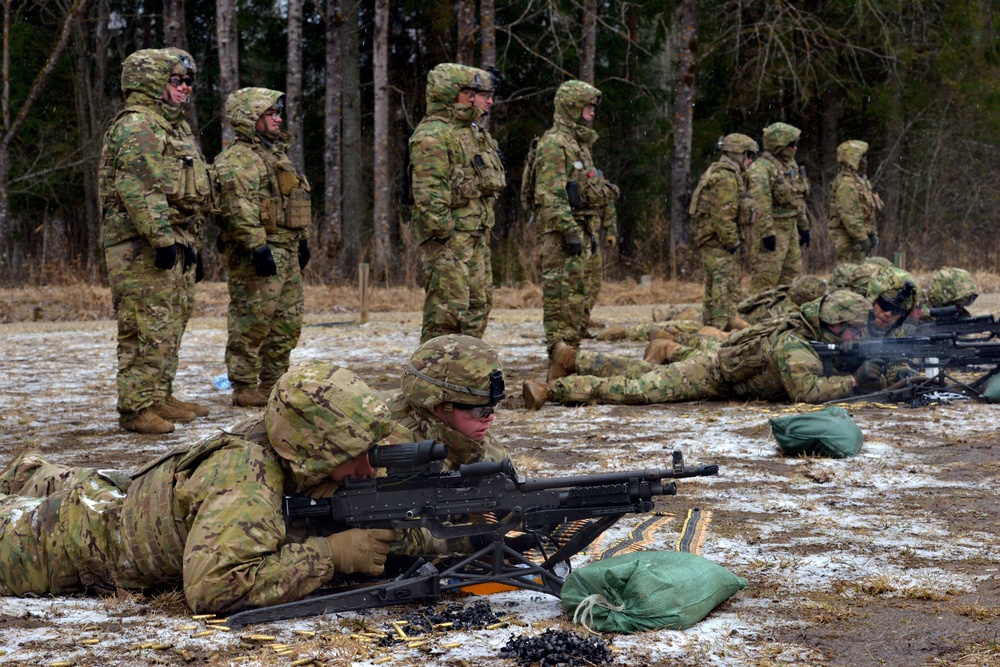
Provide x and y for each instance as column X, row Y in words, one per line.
column 828, row 432
column 647, row 590
column 991, row 389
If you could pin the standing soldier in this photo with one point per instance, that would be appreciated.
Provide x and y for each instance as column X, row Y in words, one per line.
column 155, row 191
column 853, row 205
column 778, row 188
column 264, row 237
column 455, row 175
column 574, row 208
column 719, row 210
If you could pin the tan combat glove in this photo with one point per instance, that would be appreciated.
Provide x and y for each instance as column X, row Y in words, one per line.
column 361, row 551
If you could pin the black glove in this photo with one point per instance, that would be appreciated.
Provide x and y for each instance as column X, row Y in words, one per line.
column 190, row 257
column 166, row 258
column 263, row 261
column 199, row 269
column 906, row 373
column 864, row 245
column 873, row 240
column 804, row 237
column 304, row 253
column 732, row 251
column 220, row 245
column 574, row 243
column 770, row 243
column 869, row 376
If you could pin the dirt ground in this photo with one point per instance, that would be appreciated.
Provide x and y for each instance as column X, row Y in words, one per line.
column 889, row 558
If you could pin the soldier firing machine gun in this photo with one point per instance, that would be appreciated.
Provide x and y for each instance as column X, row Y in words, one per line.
column 949, row 319
column 417, row 494
column 937, row 355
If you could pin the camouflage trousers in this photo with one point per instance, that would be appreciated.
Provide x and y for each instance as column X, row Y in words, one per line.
column 593, row 279
column 722, row 285
column 639, row 382
column 53, row 535
column 186, row 303
column 148, row 303
column 846, row 247
column 564, row 291
column 781, row 267
column 265, row 316
column 458, row 285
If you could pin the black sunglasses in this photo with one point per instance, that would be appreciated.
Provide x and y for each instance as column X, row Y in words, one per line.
column 176, row 81
column 477, row 411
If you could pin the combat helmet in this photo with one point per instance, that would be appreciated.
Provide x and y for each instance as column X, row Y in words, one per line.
column 571, row 97
column 246, row 105
column 893, row 289
column 806, row 288
column 778, row 135
column 841, row 276
column 147, row 71
column 952, row 287
column 878, row 261
column 320, row 416
column 455, row 369
column 850, row 153
column 737, row 143
column 446, row 80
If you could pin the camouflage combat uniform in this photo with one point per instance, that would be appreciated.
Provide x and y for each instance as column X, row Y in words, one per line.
column 155, row 192
column 449, row 370
column 265, row 203
column 781, row 300
column 574, row 209
column 853, row 205
column 206, row 517
column 769, row 361
column 778, row 188
column 455, row 175
column 719, row 209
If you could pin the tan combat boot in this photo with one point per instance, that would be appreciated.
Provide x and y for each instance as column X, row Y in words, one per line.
column 173, row 414
column 265, row 388
column 736, row 323
column 198, row 410
column 248, row 397
column 612, row 333
column 661, row 350
column 563, row 362
column 595, row 324
column 712, row 332
column 146, row 421
column 535, row 394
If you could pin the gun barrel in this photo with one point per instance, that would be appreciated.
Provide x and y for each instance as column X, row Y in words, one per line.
column 628, row 476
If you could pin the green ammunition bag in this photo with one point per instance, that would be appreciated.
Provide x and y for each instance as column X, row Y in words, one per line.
column 828, row 432
column 991, row 389
column 647, row 590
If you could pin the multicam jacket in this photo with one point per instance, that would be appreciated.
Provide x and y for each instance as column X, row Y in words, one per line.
column 719, row 206
column 853, row 204
column 778, row 190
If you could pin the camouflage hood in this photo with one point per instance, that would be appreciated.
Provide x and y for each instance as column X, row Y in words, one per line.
column 446, row 80
column 245, row 106
column 320, row 416
column 778, row 135
column 849, row 153
column 571, row 98
column 453, row 369
column 952, row 287
column 146, row 72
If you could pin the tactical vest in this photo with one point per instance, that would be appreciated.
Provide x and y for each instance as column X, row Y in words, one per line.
column 789, row 188
column 747, row 351
column 480, row 172
column 289, row 204
column 596, row 191
column 700, row 209
column 866, row 197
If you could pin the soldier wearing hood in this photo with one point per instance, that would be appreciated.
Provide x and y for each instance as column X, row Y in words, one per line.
column 778, row 188
column 574, row 206
column 206, row 517
column 455, row 178
column 770, row 361
column 853, row 205
column 155, row 193
column 265, row 239
column 449, row 393
column 720, row 209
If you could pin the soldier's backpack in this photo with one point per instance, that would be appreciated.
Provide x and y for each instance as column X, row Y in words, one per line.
column 528, row 179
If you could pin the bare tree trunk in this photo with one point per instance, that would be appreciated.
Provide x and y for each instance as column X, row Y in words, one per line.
column 891, row 181
column 353, row 187
column 228, row 39
column 11, row 128
column 488, row 33
column 293, row 84
column 332, row 233
column 466, row 20
column 381, row 139
column 588, row 41
column 680, row 166
column 174, row 29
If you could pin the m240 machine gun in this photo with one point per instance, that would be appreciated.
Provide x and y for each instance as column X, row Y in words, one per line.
column 951, row 320
column 417, row 494
column 938, row 355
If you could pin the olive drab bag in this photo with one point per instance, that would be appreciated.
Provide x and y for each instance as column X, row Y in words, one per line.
column 828, row 432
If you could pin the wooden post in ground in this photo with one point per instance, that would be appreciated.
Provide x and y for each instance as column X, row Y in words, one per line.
column 899, row 259
column 363, row 288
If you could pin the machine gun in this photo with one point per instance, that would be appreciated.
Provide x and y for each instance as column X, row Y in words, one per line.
column 938, row 355
column 417, row 494
column 949, row 319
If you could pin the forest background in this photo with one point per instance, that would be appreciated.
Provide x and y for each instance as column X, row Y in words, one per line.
column 919, row 80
